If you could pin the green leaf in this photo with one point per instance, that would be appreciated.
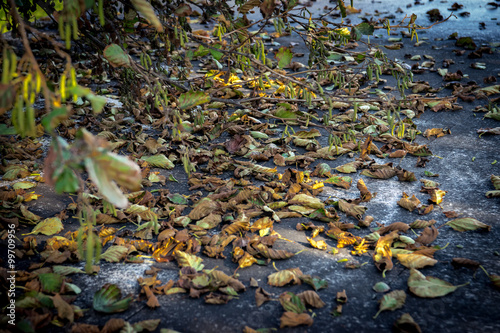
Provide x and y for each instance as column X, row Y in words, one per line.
column 381, row 287
column 392, row 301
column 24, row 185
column 48, row 227
column 177, row 198
column 66, row 180
column 342, row 8
column 159, row 161
column 97, row 102
column 4, row 130
column 347, row 168
column 365, row 28
column 145, row 8
column 466, row 224
column 355, row 33
column 292, row 303
column 216, row 54
column 190, row 260
column 428, row 287
column 284, row 57
column 66, row 270
column 107, row 169
column 54, row 118
column 192, row 98
column 115, row 253
column 108, row 299
column 148, row 325
column 116, row 56
column 466, row 42
column 50, row 282
column 314, row 282
column 15, row 171
column 7, row 96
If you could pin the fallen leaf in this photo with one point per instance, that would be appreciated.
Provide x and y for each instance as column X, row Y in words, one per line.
column 391, row 301
column 406, row 324
column 467, row 224
column 48, row 227
column 292, row 319
column 415, row 260
column 108, row 299
column 429, row 287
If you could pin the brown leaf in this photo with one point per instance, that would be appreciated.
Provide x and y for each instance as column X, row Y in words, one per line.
column 383, row 173
column 405, row 175
column 428, row 235
column 64, row 310
column 203, row 208
column 398, row 226
column 152, row 300
column 450, row 214
column 261, row 296
column 398, row 153
column 363, row 190
column 213, row 298
column 310, row 297
column 341, row 297
column 437, row 132
column 406, row 324
column 292, row 319
column 464, row 262
column 352, row 209
column 281, row 278
column 409, row 203
column 84, row 328
column 419, row 224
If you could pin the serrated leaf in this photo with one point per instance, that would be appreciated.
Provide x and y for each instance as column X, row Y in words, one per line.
column 48, row 227
column 108, row 300
column 192, row 98
column 428, row 287
column 51, row 282
column 392, row 301
column 158, row 161
column 467, row 224
column 115, row 253
column 66, row 270
column 115, row 55
column 145, row 8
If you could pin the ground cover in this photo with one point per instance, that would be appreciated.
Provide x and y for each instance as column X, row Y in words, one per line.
column 277, row 200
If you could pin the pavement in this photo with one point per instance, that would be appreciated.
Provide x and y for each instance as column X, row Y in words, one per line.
column 464, row 162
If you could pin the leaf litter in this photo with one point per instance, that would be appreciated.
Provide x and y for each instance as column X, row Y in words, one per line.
column 240, row 202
